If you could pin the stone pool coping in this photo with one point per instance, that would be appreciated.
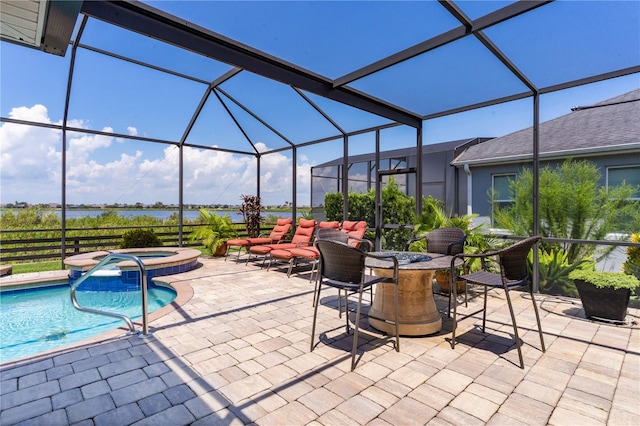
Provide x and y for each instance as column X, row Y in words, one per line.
column 86, row 261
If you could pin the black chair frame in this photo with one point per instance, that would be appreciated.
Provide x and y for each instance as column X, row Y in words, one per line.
column 513, row 273
column 342, row 266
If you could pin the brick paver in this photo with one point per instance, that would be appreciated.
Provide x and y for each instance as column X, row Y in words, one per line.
column 238, row 353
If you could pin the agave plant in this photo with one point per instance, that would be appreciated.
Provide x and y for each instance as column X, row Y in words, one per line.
column 215, row 232
column 554, row 270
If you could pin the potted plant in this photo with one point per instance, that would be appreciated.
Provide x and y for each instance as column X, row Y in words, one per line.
column 604, row 294
column 443, row 278
column 433, row 217
column 215, row 233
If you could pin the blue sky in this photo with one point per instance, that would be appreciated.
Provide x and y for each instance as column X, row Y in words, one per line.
column 563, row 41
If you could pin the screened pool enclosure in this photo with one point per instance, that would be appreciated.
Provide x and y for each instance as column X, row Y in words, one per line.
column 209, row 100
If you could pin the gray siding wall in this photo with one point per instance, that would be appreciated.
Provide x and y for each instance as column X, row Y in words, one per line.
column 482, row 178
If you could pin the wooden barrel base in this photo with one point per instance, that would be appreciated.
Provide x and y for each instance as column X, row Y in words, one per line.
column 417, row 310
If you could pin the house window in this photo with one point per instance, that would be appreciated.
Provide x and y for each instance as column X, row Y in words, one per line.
column 624, row 174
column 501, row 192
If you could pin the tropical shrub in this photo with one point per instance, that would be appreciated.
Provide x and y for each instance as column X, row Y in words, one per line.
column 572, row 205
column 251, row 210
column 397, row 208
column 216, row 231
column 554, row 270
column 631, row 266
column 434, row 216
column 139, row 238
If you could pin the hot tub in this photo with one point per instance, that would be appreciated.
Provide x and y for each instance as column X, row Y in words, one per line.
column 157, row 261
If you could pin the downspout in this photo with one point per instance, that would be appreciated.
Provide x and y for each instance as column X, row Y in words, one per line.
column 467, row 170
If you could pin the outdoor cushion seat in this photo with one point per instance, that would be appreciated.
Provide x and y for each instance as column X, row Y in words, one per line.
column 303, row 235
column 279, row 231
column 355, row 230
column 302, row 252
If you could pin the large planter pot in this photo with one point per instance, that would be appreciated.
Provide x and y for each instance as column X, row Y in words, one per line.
column 443, row 281
column 605, row 302
column 220, row 251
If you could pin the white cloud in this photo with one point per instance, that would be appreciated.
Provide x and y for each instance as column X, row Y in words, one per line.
column 132, row 131
column 99, row 172
column 26, row 151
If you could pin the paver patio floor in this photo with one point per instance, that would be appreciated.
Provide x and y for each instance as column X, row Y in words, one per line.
column 238, row 353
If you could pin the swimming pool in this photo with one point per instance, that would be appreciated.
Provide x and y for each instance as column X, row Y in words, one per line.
column 34, row 320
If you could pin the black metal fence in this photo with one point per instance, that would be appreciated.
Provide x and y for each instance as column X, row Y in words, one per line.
column 26, row 245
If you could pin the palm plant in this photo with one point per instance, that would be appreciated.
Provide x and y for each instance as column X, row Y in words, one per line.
column 434, row 216
column 216, row 231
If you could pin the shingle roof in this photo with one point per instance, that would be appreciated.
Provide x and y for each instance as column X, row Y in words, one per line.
column 613, row 124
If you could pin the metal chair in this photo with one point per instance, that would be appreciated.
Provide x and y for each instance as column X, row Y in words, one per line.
column 514, row 272
column 448, row 241
column 345, row 237
column 343, row 267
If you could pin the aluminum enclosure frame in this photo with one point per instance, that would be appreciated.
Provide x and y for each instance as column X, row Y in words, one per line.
column 141, row 18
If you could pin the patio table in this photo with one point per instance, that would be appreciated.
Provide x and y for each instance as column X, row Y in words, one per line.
column 418, row 313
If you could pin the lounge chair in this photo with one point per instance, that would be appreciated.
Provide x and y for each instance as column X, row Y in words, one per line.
column 308, row 253
column 355, row 230
column 305, row 252
column 282, row 228
column 304, row 234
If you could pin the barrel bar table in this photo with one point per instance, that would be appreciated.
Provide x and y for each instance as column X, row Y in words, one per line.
column 417, row 310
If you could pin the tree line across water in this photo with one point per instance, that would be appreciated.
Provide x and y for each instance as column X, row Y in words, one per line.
column 572, row 205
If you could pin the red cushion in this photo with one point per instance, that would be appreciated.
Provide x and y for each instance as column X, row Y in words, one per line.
column 329, row 225
column 266, row 248
column 305, row 252
column 303, row 235
column 349, row 225
column 238, row 242
column 284, row 221
column 307, row 223
column 281, row 254
column 278, row 232
column 355, row 230
column 261, row 249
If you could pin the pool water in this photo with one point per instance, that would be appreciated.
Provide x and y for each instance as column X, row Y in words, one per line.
column 36, row 320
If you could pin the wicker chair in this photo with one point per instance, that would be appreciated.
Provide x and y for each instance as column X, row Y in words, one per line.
column 350, row 238
column 343, row 267
column 448, row 241
column 513, row 273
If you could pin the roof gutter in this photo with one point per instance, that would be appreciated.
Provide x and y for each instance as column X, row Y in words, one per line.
column 630, row 148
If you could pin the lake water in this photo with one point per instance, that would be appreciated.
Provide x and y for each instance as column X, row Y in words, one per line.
column 159, row 214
